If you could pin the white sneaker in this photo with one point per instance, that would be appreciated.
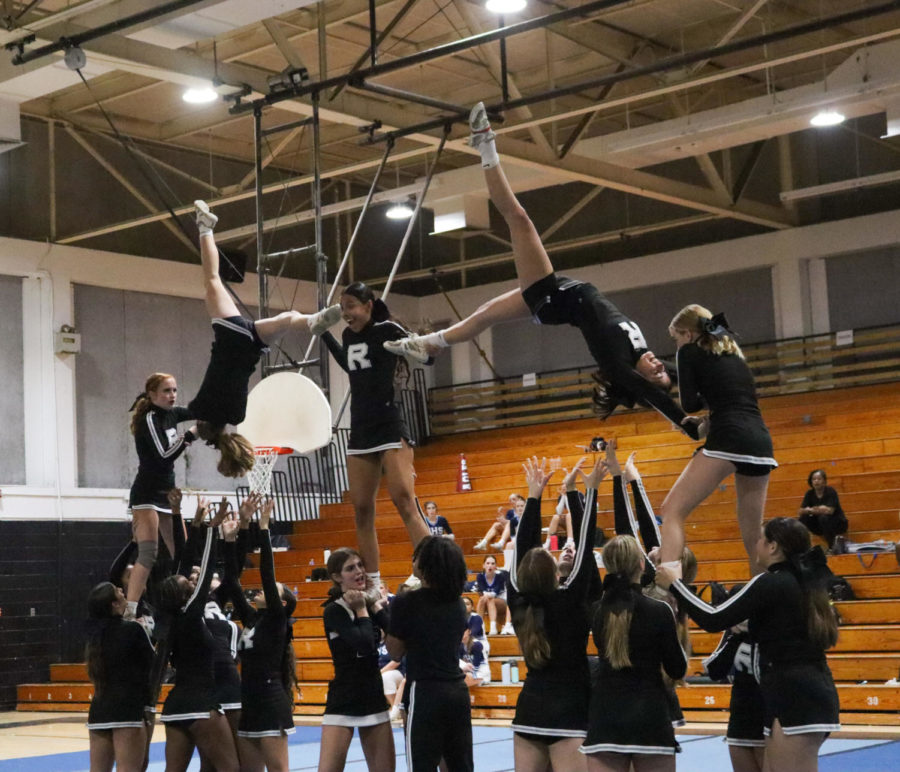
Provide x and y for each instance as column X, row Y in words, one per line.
column 205, row 219
column 482, row 545
column 497, row 545
column 493, row 630
column 322, row 320
column 480, row 126
column 508, row 629
column 410, row 348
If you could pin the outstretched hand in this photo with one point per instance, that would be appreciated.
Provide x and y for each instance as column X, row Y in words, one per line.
column 571, row 477
column 537, row 474
column 248, row 506
column 701, row 423
column 200, row 514
column 595, row 477
column 265, row 514
column 221, row 513
column 230, row 527
column 612, row 461
column 174, row 497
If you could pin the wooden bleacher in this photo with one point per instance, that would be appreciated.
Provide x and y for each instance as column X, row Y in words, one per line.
column 853, row 433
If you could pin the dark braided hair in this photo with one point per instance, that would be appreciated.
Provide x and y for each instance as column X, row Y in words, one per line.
column 442, row 566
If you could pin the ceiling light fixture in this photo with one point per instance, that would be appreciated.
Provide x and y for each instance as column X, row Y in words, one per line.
column 200, row 96
column 401, row 210
column 505, row 6
column 828, row 117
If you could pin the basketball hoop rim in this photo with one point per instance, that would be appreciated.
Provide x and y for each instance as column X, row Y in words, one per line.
column 265, row 450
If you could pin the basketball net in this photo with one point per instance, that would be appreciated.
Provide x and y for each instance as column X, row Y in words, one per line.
column 260, row 475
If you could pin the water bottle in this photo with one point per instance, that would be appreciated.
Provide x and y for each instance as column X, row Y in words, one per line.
column 514, row 672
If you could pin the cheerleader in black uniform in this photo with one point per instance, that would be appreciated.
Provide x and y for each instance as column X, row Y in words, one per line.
column 192, row 715
column 119, row 656
column 790, row 620
column 154, row 425
column 629, row 372
column 237, row 346
column 267, row 658
column 712, row 371
column 379, row 438
column 355, row 694
column 549, row 605
column 735, row 659
column 427, row 625
column 629, row 721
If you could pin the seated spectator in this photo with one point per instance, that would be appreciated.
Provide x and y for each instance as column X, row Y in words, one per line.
column 437, row 524
column 490, row 584
column 393, row 679
column 504, row 528
column 821, row 509
column 473, row 660
column 475, row 624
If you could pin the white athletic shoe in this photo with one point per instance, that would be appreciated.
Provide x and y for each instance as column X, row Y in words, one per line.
column 205, row 219
column 508, row 629
column 411, row 348
column 482, row 545
column 323, row 320
column 480, row 126
column 497, row 545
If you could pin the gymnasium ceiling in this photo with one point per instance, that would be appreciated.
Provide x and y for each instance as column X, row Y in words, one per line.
column 659, row 135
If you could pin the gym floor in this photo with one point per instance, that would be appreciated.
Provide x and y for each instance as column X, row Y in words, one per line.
column 58, row 742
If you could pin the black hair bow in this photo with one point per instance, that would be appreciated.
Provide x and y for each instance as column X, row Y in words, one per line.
column 717, row 326
column 137, row 399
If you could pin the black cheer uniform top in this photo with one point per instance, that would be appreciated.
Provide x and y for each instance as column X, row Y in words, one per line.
column 375, row 417
column 158, row 444
column 123, row 693
column 725, row 385
column 554, row 698
column 235, row 352
column 615, row 341
column 356, row 689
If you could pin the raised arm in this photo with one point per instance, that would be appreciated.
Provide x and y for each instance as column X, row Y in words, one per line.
column 267, row 560
column 337, row 350
column 528, row 533
column 584, row 569
column 231, row 581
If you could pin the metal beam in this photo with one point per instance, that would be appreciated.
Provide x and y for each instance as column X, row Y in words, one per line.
column 118, row 177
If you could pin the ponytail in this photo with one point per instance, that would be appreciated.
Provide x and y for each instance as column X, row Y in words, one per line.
column 537, row 580
column 142, row 404
column 622, row 558
column 713, row 332
column 364, row 294
column 793, row 539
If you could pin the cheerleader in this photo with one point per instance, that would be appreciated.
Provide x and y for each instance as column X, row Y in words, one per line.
column 379, row 438
column 629, row 721
column 268, row 676
column 154, row 424
column 712, row 371
column 790, row 620
column 427, row 625
column 119, row 657
column 192, row 715
column 549, row 604
column 734, row 660
column 237, row 346
column 356, row 695
column 628, row 373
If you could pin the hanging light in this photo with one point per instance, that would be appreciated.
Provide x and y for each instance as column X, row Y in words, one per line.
column 505, row 6
column 827, row 117
column 200, row 96
column 400, row 210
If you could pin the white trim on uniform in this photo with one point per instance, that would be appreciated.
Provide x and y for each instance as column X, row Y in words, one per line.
column 804, row 729
column 230, row 706
column 410, row 713
column 376, row 449
column 692, row 600
column 339, row 719
column 742, row 743
column 207, row 548
column 161, row 510
column 116, row 725
column 267, row 733
column 656, row 750
column 549, row 732
column 232, row 326
column 740, row 458
column 163, row 452
column 185, row 716
column 678, row 723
